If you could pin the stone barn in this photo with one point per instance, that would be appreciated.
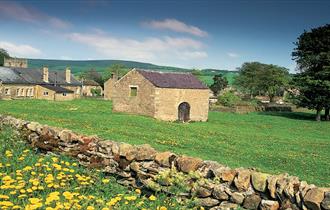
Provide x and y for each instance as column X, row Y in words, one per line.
column 164, row 96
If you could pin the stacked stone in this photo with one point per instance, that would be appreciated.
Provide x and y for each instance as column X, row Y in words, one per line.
column 139, row 166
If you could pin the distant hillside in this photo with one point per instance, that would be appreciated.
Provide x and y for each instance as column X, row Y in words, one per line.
column 78, row 67
column 98, row 65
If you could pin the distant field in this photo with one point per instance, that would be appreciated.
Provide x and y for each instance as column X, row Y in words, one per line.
column 208, row 79
column 274, row 143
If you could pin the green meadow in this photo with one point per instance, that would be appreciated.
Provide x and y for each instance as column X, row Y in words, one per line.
column 271, row 142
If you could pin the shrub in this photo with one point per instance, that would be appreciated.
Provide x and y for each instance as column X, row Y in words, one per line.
column 96, row 92
column 229, row 99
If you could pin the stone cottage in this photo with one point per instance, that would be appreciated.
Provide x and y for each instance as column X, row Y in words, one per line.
column 20, row 83
column 89, row 87
column 164, row 96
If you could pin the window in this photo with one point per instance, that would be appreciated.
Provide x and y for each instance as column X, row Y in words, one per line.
column 18, row 92
column 7, row 91
column 64, row 94
column 45, row 93
column 31, row 93
column 133, row 91
column 22, row 92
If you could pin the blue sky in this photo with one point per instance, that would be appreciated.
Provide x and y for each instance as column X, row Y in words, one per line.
column 192, row 34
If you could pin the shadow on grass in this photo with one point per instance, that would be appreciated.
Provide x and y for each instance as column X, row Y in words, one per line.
column 292, row 115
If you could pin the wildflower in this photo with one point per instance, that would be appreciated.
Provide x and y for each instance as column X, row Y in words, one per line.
column 105, row 181
column 4, row 197
column 138, row 191
column 130, row 198
column 90, row 208
column 68, row 195
column 152, row 198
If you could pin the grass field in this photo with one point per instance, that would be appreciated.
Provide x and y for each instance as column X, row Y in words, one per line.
column 274, row 143
column 31, row 181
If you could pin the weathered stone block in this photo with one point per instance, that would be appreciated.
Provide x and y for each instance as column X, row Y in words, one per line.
column 313, row 198
column 242, row 180
column 259, row 181
column 207, row 202
column 326, row 201
column 252, row 201
column 269, row 205
column 145, row 152
column 165, row 158
column 219, row 192
column 237, row 197
column 187, row 164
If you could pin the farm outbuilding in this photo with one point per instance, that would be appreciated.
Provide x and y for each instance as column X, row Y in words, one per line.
column 164, row 96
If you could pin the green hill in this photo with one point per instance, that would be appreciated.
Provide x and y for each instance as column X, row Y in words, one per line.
column 77, row 67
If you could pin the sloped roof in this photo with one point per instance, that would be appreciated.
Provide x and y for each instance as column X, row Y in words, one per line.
column 90, row 82
column 172, row 80
column 57, row 89
column 33, row 76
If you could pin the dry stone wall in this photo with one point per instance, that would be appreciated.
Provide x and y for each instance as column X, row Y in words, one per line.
column 208, row 183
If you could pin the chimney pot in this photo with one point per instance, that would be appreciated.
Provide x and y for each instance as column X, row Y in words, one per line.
column 45, row 74
column 68, row 75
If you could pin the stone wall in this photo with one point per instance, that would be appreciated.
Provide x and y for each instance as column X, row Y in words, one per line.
column 167, row 107
column 143, row 103
column 208, row 183
column 109, row 88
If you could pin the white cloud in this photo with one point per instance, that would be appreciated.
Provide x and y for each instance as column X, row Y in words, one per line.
column 20, row 50
column 232, row 55
column 160, row 50
column 177, row 26
column 13, row 10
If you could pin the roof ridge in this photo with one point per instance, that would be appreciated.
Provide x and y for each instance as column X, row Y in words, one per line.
column 162, row 72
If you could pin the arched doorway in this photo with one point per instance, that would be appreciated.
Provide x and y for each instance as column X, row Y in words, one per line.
column 184, row 112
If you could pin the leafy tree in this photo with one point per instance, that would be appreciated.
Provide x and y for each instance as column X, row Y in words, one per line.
column 196, row 72
column 229, row 99
column 3, row 54
column 219, row 83
column 115, row 69
column 92, row 74
column 312, row 54
column 96, row 92
column 257, row 78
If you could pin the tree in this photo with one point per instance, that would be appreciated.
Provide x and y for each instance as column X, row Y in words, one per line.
column 92, row 74
column 312, row 54
column 196, row 72
column 219, row 83
column 257, row 78
column 114, row 69
column 3, row 54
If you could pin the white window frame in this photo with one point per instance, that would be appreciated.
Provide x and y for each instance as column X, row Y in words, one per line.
column 46, row 93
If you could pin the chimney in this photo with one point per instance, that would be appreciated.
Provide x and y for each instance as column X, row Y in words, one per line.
column 45, row 74
column 68, row 75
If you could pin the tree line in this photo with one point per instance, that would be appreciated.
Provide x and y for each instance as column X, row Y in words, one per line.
column 309, row 87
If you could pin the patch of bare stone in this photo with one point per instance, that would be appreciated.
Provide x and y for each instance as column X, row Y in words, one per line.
column 208, row 183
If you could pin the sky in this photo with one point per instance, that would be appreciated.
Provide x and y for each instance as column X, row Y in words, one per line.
column 220, row 34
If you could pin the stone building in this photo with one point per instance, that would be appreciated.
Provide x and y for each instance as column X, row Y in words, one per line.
column 109, row 87
column 15, row 62
column 89, row 87
column 164, row 96
column 19, row 83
